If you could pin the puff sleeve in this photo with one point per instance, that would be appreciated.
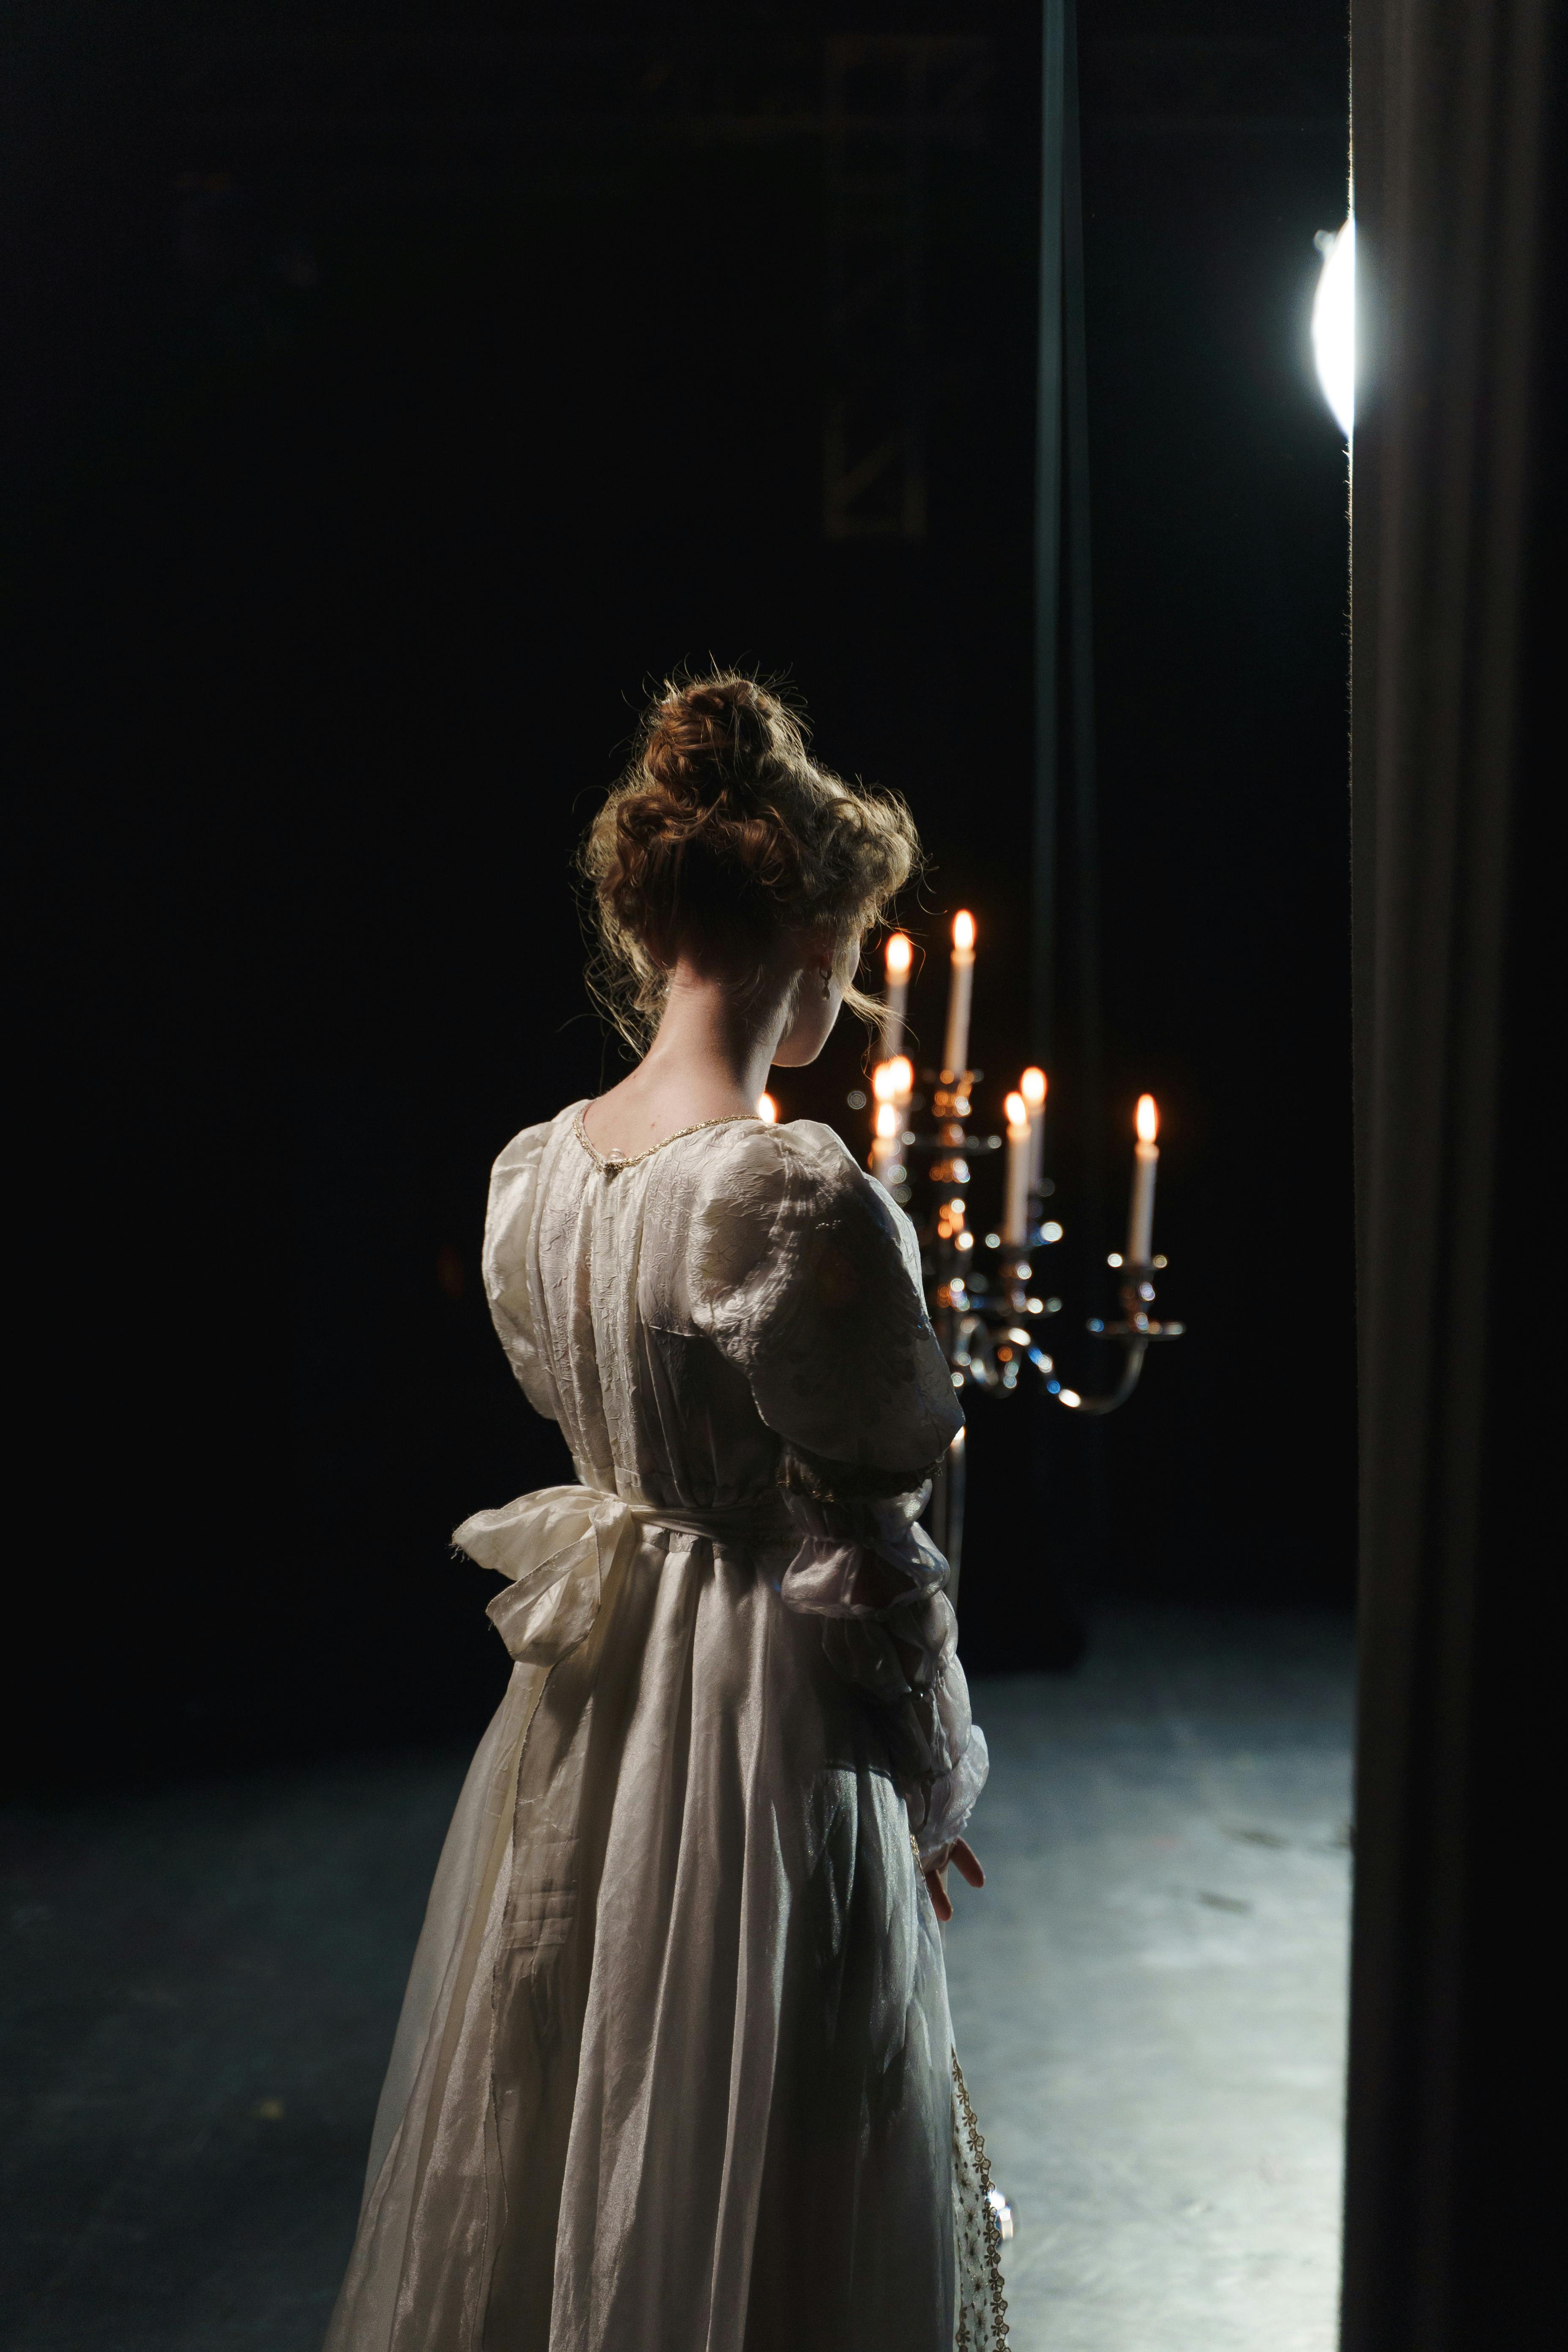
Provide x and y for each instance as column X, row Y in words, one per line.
column 510, row 1268
column 806, row 1275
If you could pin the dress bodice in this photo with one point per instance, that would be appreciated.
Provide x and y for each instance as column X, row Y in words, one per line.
column 689, row 1315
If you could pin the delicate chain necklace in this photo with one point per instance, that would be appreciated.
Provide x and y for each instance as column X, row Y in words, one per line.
column 612, row 1160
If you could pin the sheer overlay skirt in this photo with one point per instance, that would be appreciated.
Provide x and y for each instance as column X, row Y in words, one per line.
column 675, row 2068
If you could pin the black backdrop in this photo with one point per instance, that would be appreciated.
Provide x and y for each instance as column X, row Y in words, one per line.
column 400, row 398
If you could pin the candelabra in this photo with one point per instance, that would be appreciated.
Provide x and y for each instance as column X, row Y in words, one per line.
column 991, row 1299
column 989, row 1291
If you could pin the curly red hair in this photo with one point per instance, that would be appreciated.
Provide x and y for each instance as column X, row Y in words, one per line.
column 723, row 830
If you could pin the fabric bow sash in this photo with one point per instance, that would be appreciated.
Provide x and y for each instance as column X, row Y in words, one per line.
column 555, row 1548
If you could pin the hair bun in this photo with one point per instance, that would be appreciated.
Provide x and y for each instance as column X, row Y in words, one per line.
column 722, row 830
column 710, row 738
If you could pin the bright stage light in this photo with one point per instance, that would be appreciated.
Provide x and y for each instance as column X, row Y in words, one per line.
column 1334, row 322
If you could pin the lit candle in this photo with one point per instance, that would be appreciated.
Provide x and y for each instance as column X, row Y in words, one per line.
column 955, row 1051
column 900, row 1080
column 1032, row 1086
column 1146, row 1160
column 1016, row 1221
column 767, row 1110
column 885, row 1143
column 900, row 955
column 881, row 1096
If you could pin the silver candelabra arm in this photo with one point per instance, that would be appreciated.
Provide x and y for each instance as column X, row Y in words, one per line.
column 988, row 1299
column 1138, row 1331
column 995, row 1330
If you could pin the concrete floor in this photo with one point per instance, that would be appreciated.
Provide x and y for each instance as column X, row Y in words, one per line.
column 200, row 1988
column 1149, row 1995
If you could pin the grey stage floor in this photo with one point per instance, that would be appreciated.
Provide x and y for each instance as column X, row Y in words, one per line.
column 1149, row 2000
column 1149, row 1997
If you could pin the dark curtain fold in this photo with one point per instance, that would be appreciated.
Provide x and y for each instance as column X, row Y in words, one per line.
column 1457, row 541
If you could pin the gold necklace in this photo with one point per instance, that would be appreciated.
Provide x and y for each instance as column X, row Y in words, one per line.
column 612, row 1160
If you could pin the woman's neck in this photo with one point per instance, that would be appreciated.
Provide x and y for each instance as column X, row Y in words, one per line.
column 710, row 1060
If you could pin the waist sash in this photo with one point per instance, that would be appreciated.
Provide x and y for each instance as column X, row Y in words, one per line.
column 557, row 1547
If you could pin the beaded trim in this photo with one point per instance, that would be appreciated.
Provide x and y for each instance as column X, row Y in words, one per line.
column 992, row 2226
column 613, row 1160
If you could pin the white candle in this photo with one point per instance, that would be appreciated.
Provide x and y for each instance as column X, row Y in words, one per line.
column 885, row 1143
column 955, row 1051
column 1016, row 1218
column 1146, row 1160
column 1032, row 1086
column 900, row 955
column 882, row 1079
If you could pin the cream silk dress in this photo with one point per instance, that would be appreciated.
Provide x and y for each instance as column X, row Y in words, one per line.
column 674, row 2071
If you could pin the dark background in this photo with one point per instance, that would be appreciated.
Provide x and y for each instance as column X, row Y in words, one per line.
column 406, row 388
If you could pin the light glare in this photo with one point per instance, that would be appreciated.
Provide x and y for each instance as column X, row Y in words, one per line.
column 1148, row 1119
column 1334, row 322
column 767, row 1110
column 1017, row 1113
column 887, row 1118
column 900, row 955
column 964, row 930
column 1032, row 1086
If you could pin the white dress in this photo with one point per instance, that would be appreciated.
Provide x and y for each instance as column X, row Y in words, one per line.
column 674, row 2072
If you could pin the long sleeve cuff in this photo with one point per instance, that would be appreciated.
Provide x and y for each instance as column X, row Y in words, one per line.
column 875, row 1579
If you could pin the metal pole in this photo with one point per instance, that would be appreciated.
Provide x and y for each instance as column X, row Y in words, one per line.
column 1080, row 640
column 1047, row 531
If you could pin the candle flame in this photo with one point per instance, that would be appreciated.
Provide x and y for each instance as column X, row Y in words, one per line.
column 882, row 1082
column 767, row 1110
column 1148, row 1119
column 900, row 955
column 1032, row 1086
column 1018, row 1114
column 964, row 931
column 903, row 1075
column 888, row 1122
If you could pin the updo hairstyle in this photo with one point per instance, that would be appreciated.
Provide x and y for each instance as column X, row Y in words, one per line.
column 722, row 832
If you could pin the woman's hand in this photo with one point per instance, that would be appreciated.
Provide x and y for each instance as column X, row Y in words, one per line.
column 968, row 1861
